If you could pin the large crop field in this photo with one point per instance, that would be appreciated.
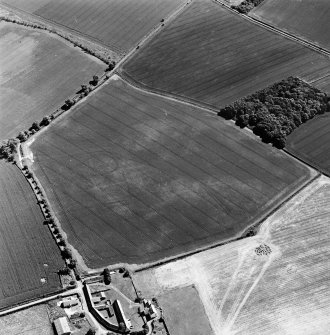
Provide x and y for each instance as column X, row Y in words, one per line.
column 211, row 55
column 120, row 24
column 134, row 177
column 308, row 19
column 276, row 282
column 38, row 73
column 29, row 257
column 311, row 142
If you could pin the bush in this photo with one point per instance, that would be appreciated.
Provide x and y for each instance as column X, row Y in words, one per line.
column 73, row 264
column 56, row 231
column 95, row 80
column 91, row 331
column 35, row 126
column 22, row 136
column 64, row 272
column 67, row 253
column 8, row 148
column 61, row 242
column 107, row 276
column 45, row 121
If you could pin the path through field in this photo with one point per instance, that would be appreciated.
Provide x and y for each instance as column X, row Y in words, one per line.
column 274, row 283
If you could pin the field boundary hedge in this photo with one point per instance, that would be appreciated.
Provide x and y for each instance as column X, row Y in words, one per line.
column 274, row 112
column 87, row 47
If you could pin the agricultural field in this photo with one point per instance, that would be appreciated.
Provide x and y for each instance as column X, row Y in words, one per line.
column 276, row 282
column 308, row 19
column 119, row 24
column 191, row 320
column 31, row 321
column 311, row 142
column 135, row 177
column 323, row 84
column 210, row 55
column 38, row 72
column 29, row 257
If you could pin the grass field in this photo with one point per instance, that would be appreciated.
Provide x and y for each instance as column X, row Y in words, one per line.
column 247, row 293
column 31, row 321
column 38, row 73
column 180, row 319
column 211, row 55
column 27, row 250
column 311, row 142
column 308, row 19
column 120, row 24
column 134, row 177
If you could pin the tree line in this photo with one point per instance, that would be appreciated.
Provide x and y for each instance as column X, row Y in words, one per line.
column 274, row 112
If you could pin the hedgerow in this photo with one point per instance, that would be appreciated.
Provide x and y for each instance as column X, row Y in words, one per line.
column 86, row 47
column 273, row 113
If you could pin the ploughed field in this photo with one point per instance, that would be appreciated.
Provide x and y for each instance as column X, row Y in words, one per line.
column 38, row 72
column 311, row 142
column 308, row 19
column 276, row 282
column 135, row 177
column 28, row 252
column 120, row 24
column 210, row 55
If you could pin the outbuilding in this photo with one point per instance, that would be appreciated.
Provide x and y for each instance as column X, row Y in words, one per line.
column 62, row 326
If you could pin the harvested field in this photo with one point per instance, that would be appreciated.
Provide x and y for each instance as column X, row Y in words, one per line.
column 120, row 24
column 31, row 321
column 276, row 282
column 135, row 177
column 38, row 72
column 311, row 142
column 28, row 253
column 308, row 19
column 210, row 55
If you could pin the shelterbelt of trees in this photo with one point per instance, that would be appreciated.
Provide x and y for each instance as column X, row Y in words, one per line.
column 247, row 5
column 273, row 113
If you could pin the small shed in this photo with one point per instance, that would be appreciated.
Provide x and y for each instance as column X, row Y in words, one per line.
column 62, row 326
column 69, row 303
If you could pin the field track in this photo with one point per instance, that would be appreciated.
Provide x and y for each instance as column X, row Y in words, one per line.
column 27, row 251
column 276, row 282
column 229, row 58
column 38, row 72
column 119, row 24
column 150, row 177
column 308, row 19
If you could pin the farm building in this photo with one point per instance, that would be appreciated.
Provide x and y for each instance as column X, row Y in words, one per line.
column 69, row 303
column 62, row 326
column 120, row 314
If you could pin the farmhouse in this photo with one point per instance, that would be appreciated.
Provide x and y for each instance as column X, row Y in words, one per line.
column 62, row 326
